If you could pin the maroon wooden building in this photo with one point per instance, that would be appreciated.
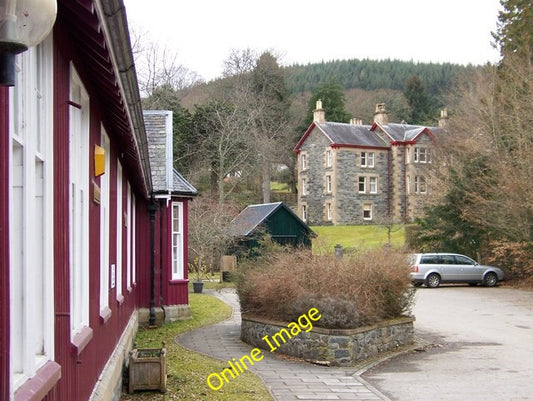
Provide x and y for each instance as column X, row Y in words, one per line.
column 86, row 238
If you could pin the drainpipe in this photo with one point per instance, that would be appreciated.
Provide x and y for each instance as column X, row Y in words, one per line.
column 152, row 209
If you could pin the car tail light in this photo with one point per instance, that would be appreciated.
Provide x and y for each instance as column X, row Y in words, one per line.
column 415, row 269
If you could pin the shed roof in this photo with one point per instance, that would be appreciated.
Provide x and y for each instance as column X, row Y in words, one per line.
column 254, row 215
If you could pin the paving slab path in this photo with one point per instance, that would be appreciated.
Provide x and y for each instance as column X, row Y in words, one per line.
column 286, row 379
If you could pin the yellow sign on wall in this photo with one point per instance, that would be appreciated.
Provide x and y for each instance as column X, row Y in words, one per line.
column 99, row 161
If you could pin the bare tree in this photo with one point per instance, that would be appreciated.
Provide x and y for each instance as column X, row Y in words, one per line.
column 157, row 65
column 490, row 149
column 208, row 237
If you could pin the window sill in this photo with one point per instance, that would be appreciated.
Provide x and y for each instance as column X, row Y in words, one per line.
column 105, row 315
column 41, row 384
column 180, row 281
column 82, row 338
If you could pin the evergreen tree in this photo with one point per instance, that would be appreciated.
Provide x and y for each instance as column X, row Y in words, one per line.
column 415, row 93
column 269, row 132
column 514, row 34
column 332, row 97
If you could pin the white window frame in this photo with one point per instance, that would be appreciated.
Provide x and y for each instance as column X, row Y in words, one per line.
column 304, row 186
column 422, row 155
column 420, row 185
column 105, row 187
column 177, row 241
column 31, row 212
column 329, row 214
column 134, row 240
column 367, row 207
column 329, row 158
column 361, row 180
column 79, row 206
column 328, row 184
column 367, row 159
column 304, row 213
column 120, row 224
column 303, row 158
column 129, row 246
column 373, row 185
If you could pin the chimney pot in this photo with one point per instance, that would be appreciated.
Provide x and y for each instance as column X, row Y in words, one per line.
column 443, row 120
column 319, row 115
column 380, row 115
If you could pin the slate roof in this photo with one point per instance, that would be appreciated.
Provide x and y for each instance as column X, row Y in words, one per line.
column 165, row 179
column 254, row 215
column 364, row 136
column 180, row 186
column 351, row 135
column 406, row 132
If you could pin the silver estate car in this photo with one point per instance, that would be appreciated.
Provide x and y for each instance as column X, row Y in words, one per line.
column 432, row 269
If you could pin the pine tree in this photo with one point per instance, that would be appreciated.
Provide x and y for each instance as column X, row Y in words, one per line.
column 515, row 29
column 332, row 97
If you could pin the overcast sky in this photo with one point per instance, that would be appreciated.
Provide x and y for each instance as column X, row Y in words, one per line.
column 203, row 32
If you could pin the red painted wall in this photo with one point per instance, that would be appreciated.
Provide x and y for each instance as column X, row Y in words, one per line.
column 175, row 292
column 80, row 372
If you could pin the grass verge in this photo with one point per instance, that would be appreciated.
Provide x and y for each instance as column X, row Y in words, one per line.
column 363, row 237
column 187, row 371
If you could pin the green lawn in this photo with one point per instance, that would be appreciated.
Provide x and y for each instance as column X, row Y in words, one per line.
column 356, row 237
column 187, row 371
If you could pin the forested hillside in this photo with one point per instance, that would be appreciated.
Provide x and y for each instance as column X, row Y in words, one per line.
column 365, row 83
column 372, row 74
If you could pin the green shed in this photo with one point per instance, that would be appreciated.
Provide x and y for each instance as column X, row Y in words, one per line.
column 276, row 219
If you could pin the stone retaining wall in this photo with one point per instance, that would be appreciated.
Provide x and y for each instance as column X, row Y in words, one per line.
column 338, row 347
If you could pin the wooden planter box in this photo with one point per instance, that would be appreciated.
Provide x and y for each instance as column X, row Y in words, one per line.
column 148, row 369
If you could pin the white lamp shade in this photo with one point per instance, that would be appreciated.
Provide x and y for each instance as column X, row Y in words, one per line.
column 26, row 22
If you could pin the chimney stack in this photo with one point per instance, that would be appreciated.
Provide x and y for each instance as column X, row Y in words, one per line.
column 319, row 115
column 443, row 120
column 380, row 115
column 356, row 121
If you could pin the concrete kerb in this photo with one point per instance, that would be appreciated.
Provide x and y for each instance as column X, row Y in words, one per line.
column 292, row 364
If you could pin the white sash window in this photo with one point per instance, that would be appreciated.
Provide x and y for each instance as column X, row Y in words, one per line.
column 177, row 241
column 31, row 214
column 79, row 205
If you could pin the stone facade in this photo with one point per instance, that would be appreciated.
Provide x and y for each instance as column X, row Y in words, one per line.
column 360, row 174
column 338, row 347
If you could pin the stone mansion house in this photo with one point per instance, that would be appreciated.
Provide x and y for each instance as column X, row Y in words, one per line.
column 356, row 174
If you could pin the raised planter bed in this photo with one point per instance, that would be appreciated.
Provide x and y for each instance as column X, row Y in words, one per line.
column 336, row 347
column 148, row 369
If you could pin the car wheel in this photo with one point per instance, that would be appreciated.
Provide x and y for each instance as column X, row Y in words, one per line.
column 490, row 280
column 433, row 280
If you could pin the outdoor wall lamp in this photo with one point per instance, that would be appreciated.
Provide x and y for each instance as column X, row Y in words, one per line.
column 23, row 23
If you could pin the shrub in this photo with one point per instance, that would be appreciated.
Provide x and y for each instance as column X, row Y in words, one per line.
column 515, row 257
column 356, row 290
